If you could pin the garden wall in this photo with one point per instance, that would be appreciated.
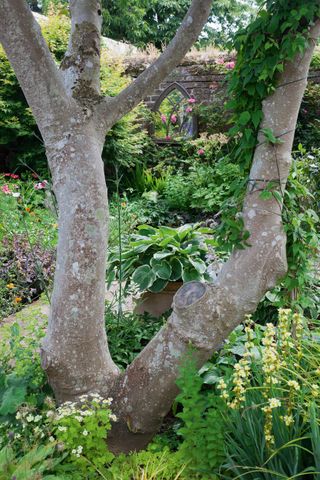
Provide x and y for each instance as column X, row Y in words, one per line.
column 202, row 80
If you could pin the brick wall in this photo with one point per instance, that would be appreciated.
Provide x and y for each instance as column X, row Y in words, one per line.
column 201, row 80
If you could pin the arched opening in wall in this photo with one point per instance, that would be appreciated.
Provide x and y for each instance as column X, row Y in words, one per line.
column 174, row 118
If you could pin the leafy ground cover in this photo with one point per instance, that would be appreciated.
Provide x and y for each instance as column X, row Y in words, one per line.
column 261, row 390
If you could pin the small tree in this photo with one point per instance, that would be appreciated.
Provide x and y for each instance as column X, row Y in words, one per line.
column 73, row 119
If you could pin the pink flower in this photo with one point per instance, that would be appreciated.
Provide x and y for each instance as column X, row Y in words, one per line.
column 192, row 100
column 6, row 189
column 41, row 185
column 189, row 109
column 201, row 151
column 219, row 61
column 230, row 65
column 168, row 137
column 163, row 118
column 173, row 118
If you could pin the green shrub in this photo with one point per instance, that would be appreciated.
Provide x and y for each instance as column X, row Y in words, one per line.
column 152, row 257
column 202, row 447
column 178, row 191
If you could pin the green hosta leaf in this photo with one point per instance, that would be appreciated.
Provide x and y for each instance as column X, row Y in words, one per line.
column 176, row 269
column 144, row 277
column 198, row 264
column 168, row 231
column 158, row 285
column 191, row 274
column 164, row 254
column 146, row 230
column 161, row 268
column 141, row 248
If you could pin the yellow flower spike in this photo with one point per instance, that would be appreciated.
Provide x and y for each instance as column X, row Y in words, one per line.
column 18, row 300
column 10, row 285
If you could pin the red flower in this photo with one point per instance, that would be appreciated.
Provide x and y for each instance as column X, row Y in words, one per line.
column 11, row 175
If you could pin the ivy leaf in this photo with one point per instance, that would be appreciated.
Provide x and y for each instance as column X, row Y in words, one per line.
column 244, row 118
column 270, row 136
column 256, row 118
column 265, row 195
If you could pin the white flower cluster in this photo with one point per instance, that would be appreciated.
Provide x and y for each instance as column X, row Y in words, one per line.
column 77, row 451
column 85, row 409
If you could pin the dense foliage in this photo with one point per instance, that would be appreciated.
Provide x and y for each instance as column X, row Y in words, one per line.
column 20, row 140
column 141, row 22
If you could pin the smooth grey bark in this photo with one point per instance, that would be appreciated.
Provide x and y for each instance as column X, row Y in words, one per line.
column 73, row 119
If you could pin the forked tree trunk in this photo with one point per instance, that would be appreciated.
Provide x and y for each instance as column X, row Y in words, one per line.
column 73, row 120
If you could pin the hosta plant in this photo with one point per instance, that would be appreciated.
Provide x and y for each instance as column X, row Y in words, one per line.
column 152, row 257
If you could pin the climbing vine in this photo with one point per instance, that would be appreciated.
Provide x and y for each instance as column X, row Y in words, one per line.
column 278, row 34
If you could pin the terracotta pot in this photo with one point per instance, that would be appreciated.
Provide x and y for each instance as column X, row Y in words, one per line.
column 157, row 303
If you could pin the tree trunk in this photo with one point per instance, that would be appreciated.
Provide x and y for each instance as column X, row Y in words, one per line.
column 75, row 351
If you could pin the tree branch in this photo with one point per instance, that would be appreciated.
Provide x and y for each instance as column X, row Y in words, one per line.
column 81, row 64
column 110, row 110
column 33, row 64
column 204, row 315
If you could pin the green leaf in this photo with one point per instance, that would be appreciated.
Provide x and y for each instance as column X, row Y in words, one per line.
column 12, row 398
column 244, row 118
column 198, row 264
column 256, row 118
column 176, row 269
column 164, row 254
column 270, row 136
column 158, row 285
column 144, row 277
column 191, row 274
column 265, row 195
column 161, row 268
